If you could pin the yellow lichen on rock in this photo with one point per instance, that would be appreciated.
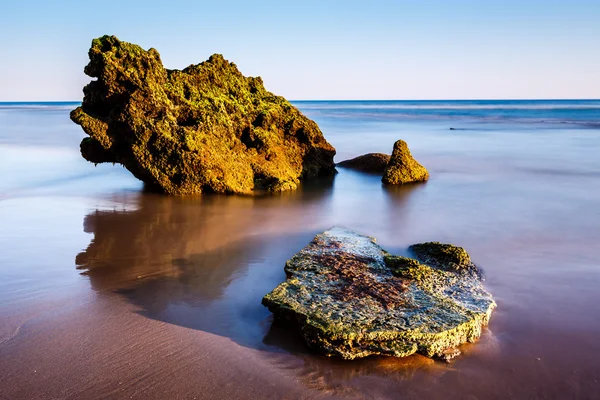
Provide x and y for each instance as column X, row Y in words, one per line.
column 206, row 128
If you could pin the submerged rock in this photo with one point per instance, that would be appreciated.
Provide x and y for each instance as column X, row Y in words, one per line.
column 371, row 162
column 350, row 298
column 403, row 168
column 206, row 128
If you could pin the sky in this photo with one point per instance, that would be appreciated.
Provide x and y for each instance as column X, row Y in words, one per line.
column 320, row 50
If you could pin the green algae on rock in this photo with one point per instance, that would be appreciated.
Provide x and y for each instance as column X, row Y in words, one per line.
column 443, row 256
column 206, row 128
column 403, row 168
column 371, row 162
column 349, row 298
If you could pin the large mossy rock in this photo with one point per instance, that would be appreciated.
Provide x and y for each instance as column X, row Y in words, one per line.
column 403, row 168
column 370, row 162
column 350, row 298
column 206, row 128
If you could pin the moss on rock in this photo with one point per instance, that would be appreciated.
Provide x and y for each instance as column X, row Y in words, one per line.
column 409, row 268
column 403, row 168
column 444, row 256
column 350, row 299
column 204, row 128
column 371, row 162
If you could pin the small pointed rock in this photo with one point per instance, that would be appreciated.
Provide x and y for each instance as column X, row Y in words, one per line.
column 403, row 168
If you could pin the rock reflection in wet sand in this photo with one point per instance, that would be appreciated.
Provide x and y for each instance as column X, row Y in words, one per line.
column 205, row 263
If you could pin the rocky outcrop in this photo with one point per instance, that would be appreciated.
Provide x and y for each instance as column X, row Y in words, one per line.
column 403, row 168
column 350, row 298
column 371, row 162
column 206, row 128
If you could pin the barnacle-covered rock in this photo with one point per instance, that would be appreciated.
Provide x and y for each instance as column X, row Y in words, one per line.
column 403, row 168
column 206, row 128
column 350, row 298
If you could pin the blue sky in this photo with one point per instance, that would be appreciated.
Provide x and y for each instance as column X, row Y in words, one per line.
column 423, row 49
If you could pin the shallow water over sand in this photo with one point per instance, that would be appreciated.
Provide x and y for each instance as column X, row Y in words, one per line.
column 110, row 291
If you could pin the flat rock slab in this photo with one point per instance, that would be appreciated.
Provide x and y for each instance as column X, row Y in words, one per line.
column 350, row 298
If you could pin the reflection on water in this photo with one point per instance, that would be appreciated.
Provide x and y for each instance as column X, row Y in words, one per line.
column 162, row 235
column 205, row 263
column 335, row 375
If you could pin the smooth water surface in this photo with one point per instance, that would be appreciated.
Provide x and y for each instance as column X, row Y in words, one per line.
column 106, row 290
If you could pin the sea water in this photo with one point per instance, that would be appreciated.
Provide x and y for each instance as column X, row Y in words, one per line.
column 517, row 183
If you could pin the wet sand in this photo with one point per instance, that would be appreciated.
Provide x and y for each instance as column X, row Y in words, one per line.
column 110, row 292
column 168, row 305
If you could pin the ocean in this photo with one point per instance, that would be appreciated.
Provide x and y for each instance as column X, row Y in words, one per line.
column 109, row 291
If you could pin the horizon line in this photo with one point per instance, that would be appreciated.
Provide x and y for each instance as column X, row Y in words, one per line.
column 314, row 100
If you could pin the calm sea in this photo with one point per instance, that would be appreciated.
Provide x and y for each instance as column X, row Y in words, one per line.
column 515, row 182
